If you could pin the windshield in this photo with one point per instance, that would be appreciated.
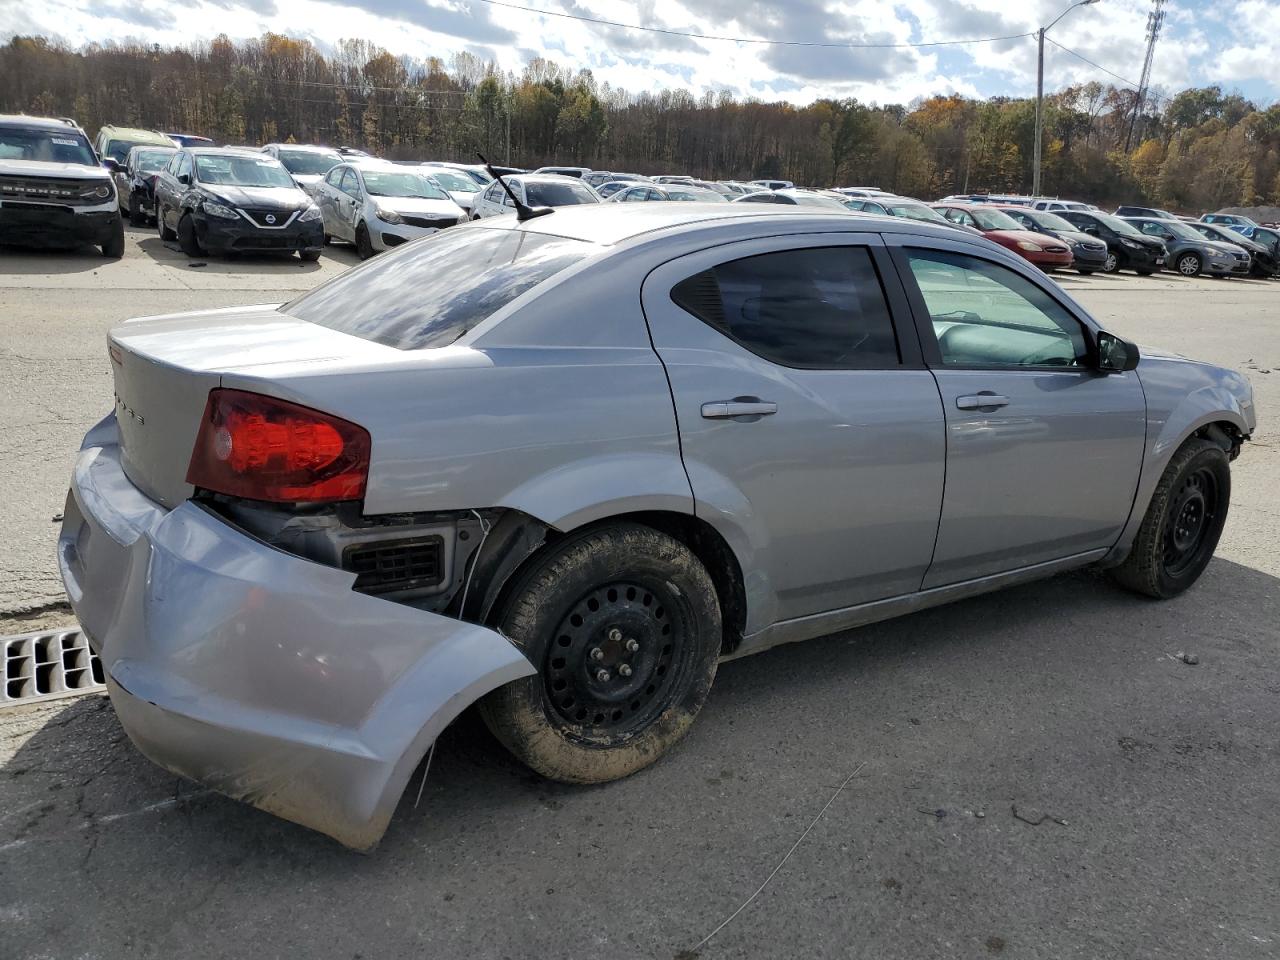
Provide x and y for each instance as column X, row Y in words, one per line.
column 151, row 161
column 917, row 211
column 308, row 163
column 242, row 171
column 993, row 219
column 1180, row 229
column 701, row 196
column 396, row 184
column 50, row 146
column 430, row 293
column 1122, row 227
column 1051, row 221
column 559, row 194
column 452, row 180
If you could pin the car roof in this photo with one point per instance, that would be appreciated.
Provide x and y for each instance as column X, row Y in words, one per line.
column 615, row 223
column 227, row 152
column 542, row 178
column 52, row 123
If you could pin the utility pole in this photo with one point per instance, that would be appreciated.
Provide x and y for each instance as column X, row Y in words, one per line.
column 1037, row 147
column 1155, row 20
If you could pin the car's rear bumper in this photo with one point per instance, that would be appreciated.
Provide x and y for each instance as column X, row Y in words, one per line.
column 55, row 224
column 256, row 672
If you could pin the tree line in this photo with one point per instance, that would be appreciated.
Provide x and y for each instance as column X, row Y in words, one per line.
column 1201, row 149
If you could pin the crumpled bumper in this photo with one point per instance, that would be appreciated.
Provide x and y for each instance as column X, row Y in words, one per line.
column 255, row 672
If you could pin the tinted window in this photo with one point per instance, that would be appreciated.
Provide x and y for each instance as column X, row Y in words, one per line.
column 428, row 294
column 821, row 307
column 987, row 315
column 543, row 194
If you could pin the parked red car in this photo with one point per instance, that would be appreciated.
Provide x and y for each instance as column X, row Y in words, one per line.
column 1045, row 252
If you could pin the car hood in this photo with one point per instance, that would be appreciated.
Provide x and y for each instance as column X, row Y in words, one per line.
column 439, row 208
column 41, row 168
column 272, row 198
column 1014, row 237
column 1224, row 247
column 463, row 198
column 1079, row 236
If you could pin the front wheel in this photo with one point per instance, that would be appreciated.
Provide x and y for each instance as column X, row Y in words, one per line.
column 1112, row 265
column 187, row 239
column 309, row 256
column 364, row 246
column 622, row 624
column 137, row 212
column 1189, row 265
column 113, row 248
column 1182, row 525
column 166, row 235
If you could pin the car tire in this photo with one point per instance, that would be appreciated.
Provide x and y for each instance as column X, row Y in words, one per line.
column 1112, row 265
column 327, row 240
column 1182, row 525
column 113, row 248
column 623, row 625
column 188, row 242
column 310, row 256
column 1190, row 265
column 364, row 246
column 166, row 235
column 1144, row 273
column 1084, row 273
column 137, row 216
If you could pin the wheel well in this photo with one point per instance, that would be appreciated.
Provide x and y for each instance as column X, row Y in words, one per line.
column 700, row 537
column 1225, row 434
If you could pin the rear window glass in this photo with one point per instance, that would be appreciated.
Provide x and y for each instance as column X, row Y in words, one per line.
column 430, row 293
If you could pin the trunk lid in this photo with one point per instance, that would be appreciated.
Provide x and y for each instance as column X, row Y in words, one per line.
column 164, row 368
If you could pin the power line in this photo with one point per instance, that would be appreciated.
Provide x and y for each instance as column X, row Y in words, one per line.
column 778, row 43
column 1111, row 73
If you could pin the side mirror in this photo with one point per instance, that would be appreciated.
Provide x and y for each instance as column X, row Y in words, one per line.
column 1116, row 355
column 112, row 165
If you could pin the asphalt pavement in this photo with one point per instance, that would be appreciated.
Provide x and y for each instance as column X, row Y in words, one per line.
column 1036, row 773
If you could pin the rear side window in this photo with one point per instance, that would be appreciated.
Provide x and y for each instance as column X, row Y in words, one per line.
column 820, row 307
column 429, row 293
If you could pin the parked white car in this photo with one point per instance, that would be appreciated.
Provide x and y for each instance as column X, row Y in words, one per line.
column 460, row 185
column 534, row 189
column 378, row 205
column 306, row 164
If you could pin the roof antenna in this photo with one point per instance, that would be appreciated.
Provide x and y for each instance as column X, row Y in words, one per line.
column 523, row 211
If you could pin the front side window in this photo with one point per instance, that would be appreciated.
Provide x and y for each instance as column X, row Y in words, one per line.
column 334, row 176
column 428, row 294
column 821, row 307
column 984, row 314
column 350, row 183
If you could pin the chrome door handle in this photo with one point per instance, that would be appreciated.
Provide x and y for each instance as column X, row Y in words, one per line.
column 739, row 407
column 980, row 400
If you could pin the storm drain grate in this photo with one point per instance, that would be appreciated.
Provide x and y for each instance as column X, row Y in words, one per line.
column 42, row 666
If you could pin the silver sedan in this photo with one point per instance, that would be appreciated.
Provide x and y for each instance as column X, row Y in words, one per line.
column 565, row 463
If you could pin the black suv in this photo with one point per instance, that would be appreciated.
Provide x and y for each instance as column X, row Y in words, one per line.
column 233, row 201
column 136, row 181
column 1127, row 247
column 53, row 190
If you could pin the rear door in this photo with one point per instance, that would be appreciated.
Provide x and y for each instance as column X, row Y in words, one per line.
column 1043, row 450
column 806, row 421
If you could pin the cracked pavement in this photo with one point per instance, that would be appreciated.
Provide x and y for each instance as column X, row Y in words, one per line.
column 1043, row 777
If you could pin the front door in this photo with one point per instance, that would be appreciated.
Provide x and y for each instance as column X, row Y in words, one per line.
column 1043, row 450
column 807, row 424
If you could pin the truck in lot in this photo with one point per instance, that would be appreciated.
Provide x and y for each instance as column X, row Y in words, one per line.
column 562, row 463
column 53, row 190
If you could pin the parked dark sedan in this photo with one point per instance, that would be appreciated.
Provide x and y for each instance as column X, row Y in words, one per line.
column 229, row 201
column 136, row 181
column 1265, row 263
column 1090, row 253
column 1127, row 248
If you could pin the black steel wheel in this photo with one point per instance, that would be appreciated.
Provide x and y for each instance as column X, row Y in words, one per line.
column 364, row 246
column 622, row 624
column 188, row 242
column 1183, row 522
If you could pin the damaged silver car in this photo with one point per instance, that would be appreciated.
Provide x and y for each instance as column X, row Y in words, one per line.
column 561, row 466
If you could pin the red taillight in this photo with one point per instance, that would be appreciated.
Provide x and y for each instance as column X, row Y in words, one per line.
column 261, row 448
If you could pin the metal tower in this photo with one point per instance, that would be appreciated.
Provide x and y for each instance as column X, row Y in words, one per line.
column 1155, row 20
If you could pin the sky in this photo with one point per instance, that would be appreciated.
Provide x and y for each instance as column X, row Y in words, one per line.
column 1234, row 44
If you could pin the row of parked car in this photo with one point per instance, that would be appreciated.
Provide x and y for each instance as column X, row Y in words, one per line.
column 283, row 197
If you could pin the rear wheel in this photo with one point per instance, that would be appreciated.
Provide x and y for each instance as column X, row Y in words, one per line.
column 623, row 626
column 1190, row 265
column 187, row 239
column 364, row 246
column 311, row 256
column 1182, row 525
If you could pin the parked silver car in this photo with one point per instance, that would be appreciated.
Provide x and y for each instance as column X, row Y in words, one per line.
column 378, row 205
column 535, row 189
column 565, row 465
